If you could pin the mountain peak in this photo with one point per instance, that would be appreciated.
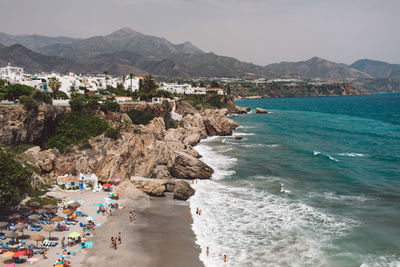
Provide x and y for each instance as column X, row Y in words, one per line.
column 124, row 31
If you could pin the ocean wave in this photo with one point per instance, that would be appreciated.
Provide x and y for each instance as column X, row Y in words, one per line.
column 351, row 154
column 256, row 228
column 242, row 134
column 318, row 153
column 335, row 197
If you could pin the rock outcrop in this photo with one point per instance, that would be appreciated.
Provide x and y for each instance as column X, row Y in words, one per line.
column 185, row 166
column 151, row 187
column 19, row 125
column 183, row 190
column 261, row 110
column 128, row 190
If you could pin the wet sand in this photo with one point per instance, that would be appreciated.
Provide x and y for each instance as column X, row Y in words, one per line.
column 160, row 236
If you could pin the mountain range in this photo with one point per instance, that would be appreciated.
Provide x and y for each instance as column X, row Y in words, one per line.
column 127, row 51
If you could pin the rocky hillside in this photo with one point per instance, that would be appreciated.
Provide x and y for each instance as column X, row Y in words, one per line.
column 147, row 151
column 21, row 126
column 378, row 69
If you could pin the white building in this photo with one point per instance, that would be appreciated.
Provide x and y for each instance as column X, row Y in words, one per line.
column 11, row 74
column 182, row 89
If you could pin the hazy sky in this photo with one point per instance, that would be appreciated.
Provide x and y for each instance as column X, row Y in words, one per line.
column 258, row 31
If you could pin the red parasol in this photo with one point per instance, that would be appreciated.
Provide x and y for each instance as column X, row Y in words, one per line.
column 107, row 185
column 19, row 254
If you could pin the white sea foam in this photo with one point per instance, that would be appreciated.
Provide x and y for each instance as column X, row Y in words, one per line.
column 351, row 154
column 318, row 153
column 335, row 197
column 254, row 227
column 242, row 134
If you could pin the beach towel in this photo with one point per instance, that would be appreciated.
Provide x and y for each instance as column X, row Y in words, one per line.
column 87, row 245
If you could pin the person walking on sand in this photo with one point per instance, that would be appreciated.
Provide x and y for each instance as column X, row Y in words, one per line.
column 189, row 212
column 224, row 258
column 197, row 210
column 112, row 242
column 44, row 254
column 207, row 251
column 119, row 238
column 63, row 242
column 130, row 217
column 115, row 243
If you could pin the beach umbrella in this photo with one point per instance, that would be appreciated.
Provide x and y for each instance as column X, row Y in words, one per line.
column 74, row 235
column 50, row 207
column 3, row 224
column 49, row 228
column 68, row 211
column 107, row 185
column 34, row 205
column 7, row 254
column 19, row 254
column 34, row 217
column 58, row 219
column 74, row 205
column 41, row 211
column 12, row 235
column 21, row 226
column 14, row 216
column 37, row 238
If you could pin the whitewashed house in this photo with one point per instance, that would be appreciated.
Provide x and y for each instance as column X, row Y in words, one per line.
column 88, row 181
column 68, row 181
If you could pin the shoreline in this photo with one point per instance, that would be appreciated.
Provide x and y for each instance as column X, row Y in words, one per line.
column 161, row 235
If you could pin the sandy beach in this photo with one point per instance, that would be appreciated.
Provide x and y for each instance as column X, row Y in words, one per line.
column 161, row 235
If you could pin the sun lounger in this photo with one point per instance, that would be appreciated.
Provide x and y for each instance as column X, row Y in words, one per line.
column 2, row 236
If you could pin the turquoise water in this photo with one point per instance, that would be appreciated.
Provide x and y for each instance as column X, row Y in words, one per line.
column 316, row 182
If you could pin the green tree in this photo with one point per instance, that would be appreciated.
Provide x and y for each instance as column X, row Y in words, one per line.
column 202, row 84
column 112, row 133
column 42, row 97
column 140, row 117
column 106, row 73
column 214, row 84
column 112, row 106
column 148, row 85
column 28, row 102
column 77, row 104
column 55, row 85
column 14, row 91
column 14, row 179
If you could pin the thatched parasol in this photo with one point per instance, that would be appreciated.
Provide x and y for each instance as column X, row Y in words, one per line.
column 12, row 235
column 37, row 238
column 68, row 211
column 49, row 228
column 34, row 217
column 58, row 219
column 34, row 205
column 41, row 211
column 50, row 207
column 14, row 216
column 3, row 224
column 74, row 205
column 21, row 226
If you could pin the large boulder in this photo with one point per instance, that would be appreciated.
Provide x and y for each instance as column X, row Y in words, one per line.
column 185, row 166
column 261, row 110
column 216, row 122
column 151, row 187
column 183, row 190
column 128, row 190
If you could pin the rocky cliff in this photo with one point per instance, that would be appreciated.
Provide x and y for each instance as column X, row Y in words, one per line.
column 19, row 125
column 147, row 151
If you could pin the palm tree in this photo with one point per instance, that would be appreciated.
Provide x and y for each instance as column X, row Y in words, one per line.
column 131, row 76
column 54, row 84
column 106, row 73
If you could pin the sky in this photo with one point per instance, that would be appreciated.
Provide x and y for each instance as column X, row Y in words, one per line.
column 257, row 31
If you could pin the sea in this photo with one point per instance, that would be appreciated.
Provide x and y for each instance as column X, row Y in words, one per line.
column 315, row 182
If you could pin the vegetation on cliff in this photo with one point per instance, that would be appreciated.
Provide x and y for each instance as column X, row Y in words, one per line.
column 140, row 117
column 76, row 127
column 14, row 179
column 206, row 101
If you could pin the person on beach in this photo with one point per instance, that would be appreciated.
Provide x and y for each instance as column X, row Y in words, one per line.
column 115, row 243
column 224, row 258
column 44, row 254
column 207, row 251
column 119, row 238
column 197, row 210
column 63, row 242
column 130, row 217
column 112, row 242
column 189, row 213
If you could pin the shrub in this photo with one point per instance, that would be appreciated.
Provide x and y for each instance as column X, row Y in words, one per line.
column 60, row 95
column 112, row 106
column 76, row 104
column 76, row 127
column 42, row 97
column 112, row 133
column 140, row 117
column 28, row 102
column 169, row 122
column 137, row 131
column 85, row 145
column 15, row 91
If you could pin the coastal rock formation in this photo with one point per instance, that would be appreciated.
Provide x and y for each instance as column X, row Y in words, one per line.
column 185, row 166
column 19, row 125
column 261, row 110
column 183, row 190
column 128, row 190
column 151, row 187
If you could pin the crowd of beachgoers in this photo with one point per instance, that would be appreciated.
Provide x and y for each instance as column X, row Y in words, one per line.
column 55, row 235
